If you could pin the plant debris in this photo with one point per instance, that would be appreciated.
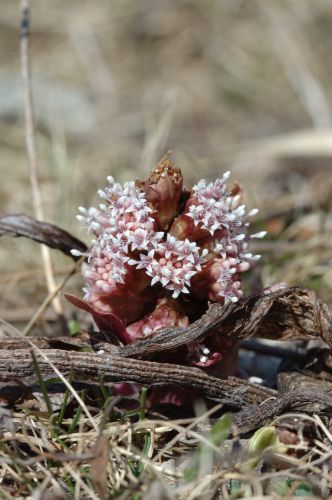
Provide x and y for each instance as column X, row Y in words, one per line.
column 49, row 234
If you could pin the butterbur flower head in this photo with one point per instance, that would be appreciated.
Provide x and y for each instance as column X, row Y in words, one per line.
column 160, row 253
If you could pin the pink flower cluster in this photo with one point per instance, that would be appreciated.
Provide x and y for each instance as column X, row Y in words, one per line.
column 122, row 225
column 160, row 253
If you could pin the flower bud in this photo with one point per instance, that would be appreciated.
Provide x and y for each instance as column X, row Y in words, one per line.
column 162, row 191
column 183, row 227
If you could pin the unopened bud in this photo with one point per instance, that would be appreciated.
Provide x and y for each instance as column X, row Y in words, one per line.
column 162, row 191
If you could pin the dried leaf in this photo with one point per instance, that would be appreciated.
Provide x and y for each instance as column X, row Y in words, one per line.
column 42, row 232
column 99, row 467
column 287, row 314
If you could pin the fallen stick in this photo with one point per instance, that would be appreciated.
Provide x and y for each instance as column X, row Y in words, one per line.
column 18, row 364
column 256, row 404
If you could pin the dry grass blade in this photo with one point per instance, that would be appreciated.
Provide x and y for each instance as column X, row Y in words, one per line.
column 49, row 298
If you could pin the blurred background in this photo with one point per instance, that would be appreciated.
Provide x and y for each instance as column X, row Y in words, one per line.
column 224, row 84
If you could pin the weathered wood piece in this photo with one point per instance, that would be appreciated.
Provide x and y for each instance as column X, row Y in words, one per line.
column 229, row 390
column 255, row 404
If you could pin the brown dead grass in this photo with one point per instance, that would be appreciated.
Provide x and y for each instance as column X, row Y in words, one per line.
column 133, row 459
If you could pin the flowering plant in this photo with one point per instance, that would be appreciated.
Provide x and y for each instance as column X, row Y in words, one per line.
column 161, row 253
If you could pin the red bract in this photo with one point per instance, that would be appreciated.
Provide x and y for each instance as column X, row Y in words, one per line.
column 163, row 190
column 160, row 253
column 168, row 312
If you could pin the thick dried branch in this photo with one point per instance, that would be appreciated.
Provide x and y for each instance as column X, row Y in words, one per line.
column 82, row 340
column 93, row 341
column 309, row 401
column 256, row 404
column 42, row 232
column 18, row 364
column 291, row 313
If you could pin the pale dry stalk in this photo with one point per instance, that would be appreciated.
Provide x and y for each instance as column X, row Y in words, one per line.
column 31, row 149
